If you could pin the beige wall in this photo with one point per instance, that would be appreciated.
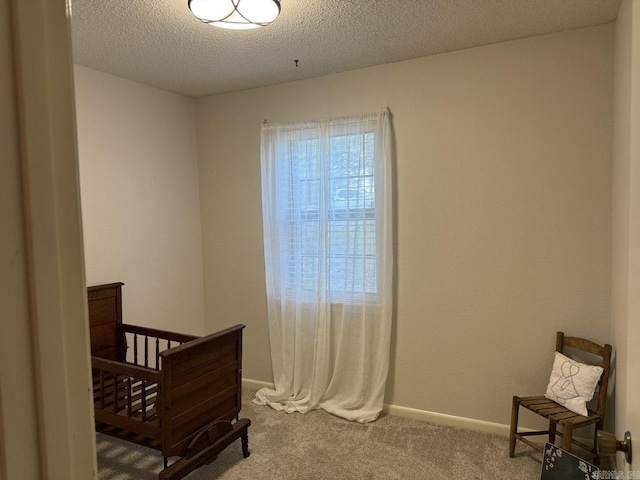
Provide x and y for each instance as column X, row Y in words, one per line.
column 625, row 307
column 503, row 185
column 140, row 201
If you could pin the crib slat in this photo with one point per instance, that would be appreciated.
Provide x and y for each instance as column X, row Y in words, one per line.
column 146, row 351
column 144, row 401
column 157, row 353
column 135, row 349
column 102, row 389
column 115, row 393
column 129, row 397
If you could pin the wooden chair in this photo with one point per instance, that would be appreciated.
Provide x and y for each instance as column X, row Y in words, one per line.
column 559, row 415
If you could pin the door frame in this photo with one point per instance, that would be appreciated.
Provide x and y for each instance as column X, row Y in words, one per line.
column 53, row 243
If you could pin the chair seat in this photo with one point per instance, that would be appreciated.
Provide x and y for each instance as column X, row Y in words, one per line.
column 557, row 413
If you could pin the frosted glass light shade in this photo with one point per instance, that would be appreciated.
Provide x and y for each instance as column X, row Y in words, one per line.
column 236, row 14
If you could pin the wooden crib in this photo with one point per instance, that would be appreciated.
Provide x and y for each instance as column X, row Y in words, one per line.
column 175, row 393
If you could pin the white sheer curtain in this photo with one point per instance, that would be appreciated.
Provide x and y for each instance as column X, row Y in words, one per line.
column 326, row 194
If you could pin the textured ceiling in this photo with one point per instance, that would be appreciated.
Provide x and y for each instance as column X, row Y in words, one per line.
column 160, row 43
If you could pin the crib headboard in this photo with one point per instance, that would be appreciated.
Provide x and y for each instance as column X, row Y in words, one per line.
column 105, row 318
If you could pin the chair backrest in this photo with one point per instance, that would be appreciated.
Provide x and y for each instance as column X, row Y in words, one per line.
column 604, row 352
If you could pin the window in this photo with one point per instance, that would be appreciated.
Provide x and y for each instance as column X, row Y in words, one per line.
column 347, row 211
column 321, row 201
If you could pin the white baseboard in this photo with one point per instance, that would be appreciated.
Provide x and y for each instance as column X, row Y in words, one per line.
column 255, row 384
column 432, row 417
column 448, row 420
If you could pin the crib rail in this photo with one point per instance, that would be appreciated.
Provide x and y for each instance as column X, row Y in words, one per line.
column 126, row 396
column 144, row 345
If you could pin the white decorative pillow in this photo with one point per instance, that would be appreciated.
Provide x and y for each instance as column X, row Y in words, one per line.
column 572, row 383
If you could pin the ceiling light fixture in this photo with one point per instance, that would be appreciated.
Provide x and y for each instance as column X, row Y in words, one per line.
column 236, row 14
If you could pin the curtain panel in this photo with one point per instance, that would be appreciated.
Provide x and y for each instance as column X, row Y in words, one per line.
column 327, row 217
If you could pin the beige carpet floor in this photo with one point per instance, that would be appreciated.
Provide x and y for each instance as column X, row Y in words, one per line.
column 320, row 446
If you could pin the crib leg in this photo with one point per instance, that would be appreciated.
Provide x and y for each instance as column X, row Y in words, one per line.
column 244, row 439
column 166, row 462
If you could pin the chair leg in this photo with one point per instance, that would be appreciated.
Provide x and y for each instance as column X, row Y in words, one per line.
column 568, row 436
column 596, row 459
column 552, row 432
column 514, row 426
